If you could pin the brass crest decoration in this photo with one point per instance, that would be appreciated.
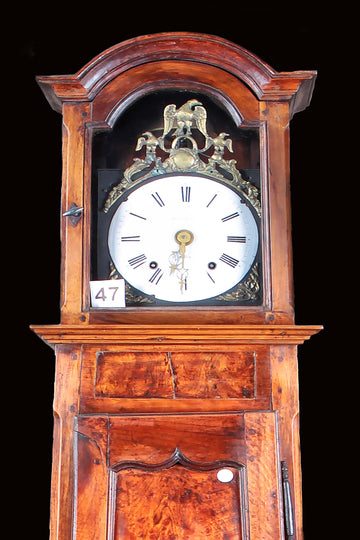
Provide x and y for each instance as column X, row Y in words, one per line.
column 184, row 154
column 178, row 141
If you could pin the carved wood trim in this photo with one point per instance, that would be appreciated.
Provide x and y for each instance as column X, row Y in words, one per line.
column 177, row 458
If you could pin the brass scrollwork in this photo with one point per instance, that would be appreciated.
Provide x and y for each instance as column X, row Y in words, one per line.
column 245, row 290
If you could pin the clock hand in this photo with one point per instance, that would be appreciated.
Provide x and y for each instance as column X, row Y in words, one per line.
column 183, row 238
column 183, row 281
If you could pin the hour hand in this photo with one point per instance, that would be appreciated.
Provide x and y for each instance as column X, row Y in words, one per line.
column 183, row 238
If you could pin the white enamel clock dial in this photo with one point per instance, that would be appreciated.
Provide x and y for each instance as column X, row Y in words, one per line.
column 183, row 238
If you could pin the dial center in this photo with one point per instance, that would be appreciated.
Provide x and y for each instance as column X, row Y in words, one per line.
column 184, row 237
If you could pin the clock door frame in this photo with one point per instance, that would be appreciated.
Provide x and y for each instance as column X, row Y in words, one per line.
column 181, row 90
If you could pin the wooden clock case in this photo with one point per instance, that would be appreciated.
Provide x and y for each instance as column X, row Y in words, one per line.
column 151, row 403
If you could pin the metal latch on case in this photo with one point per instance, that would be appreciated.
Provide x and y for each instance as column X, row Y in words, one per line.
column 74, row 214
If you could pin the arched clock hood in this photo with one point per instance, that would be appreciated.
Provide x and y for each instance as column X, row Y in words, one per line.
column 266, row 83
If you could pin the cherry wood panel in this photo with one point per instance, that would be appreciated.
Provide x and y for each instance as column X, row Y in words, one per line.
column 153, row 438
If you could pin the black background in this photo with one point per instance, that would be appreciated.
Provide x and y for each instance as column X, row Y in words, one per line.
column 55, row 40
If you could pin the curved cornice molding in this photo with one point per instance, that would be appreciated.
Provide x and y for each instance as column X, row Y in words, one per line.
column 267, row 84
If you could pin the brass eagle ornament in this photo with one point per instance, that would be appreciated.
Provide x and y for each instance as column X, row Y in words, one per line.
column 183, row 119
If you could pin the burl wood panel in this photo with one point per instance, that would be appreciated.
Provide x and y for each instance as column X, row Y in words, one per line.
column 180, row 504
column 214, row 375
column 133, row 375
column 175, row 375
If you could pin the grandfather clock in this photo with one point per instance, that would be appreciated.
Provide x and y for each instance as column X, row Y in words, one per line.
column 176, row 395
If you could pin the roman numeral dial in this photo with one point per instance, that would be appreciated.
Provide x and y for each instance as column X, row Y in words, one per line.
column 230, row 216
column 238, row 239
column 137, row 261
column 158, row 199
column 230, row 261
column 183, row 238
column 185, row 193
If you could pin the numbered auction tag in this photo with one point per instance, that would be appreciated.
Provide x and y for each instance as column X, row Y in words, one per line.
column 108, row 293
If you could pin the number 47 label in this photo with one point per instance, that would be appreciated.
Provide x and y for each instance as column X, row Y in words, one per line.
column 108, row 293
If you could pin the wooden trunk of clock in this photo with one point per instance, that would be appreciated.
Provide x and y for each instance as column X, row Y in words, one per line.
column 176, row 421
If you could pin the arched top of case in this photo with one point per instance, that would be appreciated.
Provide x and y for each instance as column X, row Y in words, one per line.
column 266, row 83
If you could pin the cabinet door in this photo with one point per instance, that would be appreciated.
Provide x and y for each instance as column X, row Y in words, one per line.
column 177, row 477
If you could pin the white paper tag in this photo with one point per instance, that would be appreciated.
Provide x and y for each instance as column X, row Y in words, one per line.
column 108, row 293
